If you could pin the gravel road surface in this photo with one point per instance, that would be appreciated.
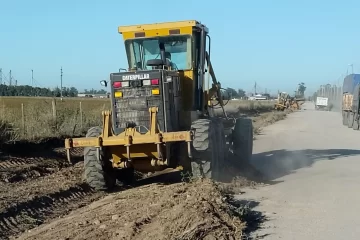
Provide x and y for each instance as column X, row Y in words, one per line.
column 314, row 165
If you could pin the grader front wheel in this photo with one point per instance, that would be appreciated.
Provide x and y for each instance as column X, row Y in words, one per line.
column 98, row 174
column 208, row 148
column 355, row 125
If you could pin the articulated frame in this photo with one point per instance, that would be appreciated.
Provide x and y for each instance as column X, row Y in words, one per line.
column 120, row 145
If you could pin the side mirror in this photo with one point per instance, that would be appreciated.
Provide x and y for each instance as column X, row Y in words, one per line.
column 103, row 83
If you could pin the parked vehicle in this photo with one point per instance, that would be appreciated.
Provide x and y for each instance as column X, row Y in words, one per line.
column 350, row 111
column 322, row 103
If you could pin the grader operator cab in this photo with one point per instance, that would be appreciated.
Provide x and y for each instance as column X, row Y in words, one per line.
column 162, row 113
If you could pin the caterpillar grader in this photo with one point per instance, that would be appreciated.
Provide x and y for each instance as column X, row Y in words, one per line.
column 285, row 101
column 162, row 111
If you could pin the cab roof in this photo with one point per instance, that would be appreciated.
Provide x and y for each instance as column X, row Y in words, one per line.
column 162, row 25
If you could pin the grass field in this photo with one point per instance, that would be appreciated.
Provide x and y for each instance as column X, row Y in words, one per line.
column 35, row 118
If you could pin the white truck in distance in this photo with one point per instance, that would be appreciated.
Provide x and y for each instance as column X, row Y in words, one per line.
column 321, row 103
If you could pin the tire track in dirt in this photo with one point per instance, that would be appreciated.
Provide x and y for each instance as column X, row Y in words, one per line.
column 14, row 162
column 28, row 214
column 36, row 186
column 22, row 167
column 51, row 156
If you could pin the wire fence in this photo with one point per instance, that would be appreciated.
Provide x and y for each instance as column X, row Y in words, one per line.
column 24, row 120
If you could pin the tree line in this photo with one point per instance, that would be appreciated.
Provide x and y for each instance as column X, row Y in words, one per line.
column 26, row 90
column 29, row 91
column 230, row 93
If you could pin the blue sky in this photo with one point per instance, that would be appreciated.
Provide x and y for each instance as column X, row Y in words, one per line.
column 276, row 43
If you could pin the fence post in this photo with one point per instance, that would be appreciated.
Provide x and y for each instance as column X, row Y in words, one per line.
column 81, row 117
column 23, row 119
column 54, row 112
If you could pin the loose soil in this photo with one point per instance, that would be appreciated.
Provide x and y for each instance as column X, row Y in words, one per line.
column 39, row 187
column 156, row 211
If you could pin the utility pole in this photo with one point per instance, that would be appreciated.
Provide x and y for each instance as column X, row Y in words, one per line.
column 32, row 77
column 10, row 77
column 1, row 76
column 61, row 88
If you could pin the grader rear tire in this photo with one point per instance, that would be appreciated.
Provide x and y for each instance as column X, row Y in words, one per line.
column 344, row 120
column 208, row 148
column 356, row 122
column 243, row 139
column 350, row 120
column 98, row 174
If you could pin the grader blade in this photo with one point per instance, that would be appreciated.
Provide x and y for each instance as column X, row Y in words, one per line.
column 130, row 138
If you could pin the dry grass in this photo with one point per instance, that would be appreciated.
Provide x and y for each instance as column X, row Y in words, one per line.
column 237, row 107
column 263, row 120
column 247, row 105
column 37, row 121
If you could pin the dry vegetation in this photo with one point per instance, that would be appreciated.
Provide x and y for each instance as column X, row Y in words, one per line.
column 37, row 119
column 247, row 106
column 32, row 118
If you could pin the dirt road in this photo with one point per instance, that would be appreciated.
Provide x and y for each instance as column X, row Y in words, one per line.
column 313, row 162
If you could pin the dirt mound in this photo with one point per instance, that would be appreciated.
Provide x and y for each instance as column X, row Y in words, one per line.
column 177, row 211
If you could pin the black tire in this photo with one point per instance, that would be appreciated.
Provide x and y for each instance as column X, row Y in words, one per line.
column 344, row 115
column 350, row 119
column 223, row 148
column 207, row 148
column 98, row 174
column 356, row 123
column 243, row 139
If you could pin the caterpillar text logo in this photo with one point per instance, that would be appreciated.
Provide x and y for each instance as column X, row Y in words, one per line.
column 135, row 77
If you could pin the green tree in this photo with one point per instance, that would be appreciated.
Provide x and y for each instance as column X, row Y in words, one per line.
column 301, row 89
column 241, row 93
column 231, row 93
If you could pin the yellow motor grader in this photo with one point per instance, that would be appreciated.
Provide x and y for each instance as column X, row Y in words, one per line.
column 162, row 110
column 283, row 102
column 296, row 103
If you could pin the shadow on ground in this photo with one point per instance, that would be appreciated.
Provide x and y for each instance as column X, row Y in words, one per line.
column 244, row 210
column 51, row 148
column 278, row 163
